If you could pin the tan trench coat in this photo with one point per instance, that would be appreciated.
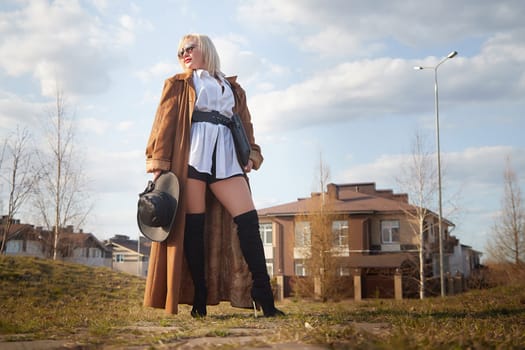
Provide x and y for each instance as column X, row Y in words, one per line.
column 169, row 282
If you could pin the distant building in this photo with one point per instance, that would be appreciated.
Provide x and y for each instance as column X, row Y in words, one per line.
column 77, row 247
column 23, row 239
column 119, row 253
column 128, row 255
column 464, row 260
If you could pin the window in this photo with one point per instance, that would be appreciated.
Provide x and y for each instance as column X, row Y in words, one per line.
column 119, row 258
column 95, row 253
column 13, row 247
column 343, row 271
column 390, row 231
column 266, row 233
column 79, row 252
column 269, row 268
column 340, row 233
column 300, row 269
column 428, row 232
column 302, row 234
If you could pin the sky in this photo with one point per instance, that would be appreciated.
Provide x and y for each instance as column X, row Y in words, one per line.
column 325, row 80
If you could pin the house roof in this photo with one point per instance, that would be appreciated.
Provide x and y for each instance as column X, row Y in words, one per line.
column 351, row 198
column 16, row 230
column 131, row 245
column 82, row 240
column 348, row 198
column 19, row 231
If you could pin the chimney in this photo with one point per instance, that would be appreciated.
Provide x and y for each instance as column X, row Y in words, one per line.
column 333, row 191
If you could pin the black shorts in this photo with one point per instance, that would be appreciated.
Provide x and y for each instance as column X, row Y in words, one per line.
column 209, row 179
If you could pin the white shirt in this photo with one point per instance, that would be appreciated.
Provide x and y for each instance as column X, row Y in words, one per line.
column 205, row 137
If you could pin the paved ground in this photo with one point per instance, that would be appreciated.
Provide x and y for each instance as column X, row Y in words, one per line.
column 244, row 342
column 238, row 338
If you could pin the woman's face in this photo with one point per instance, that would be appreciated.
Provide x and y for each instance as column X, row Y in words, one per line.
column 191, row 55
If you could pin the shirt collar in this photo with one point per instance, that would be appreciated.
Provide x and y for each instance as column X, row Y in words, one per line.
column 202, row 72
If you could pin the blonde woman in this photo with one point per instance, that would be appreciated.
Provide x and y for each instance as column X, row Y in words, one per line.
column 191, row 138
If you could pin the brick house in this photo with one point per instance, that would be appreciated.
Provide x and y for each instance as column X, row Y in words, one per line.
column 374, row 240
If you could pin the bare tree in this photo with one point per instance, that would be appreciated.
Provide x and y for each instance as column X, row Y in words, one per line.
column 319, row 244
column 507, row 243
column 419, row 181
column 2, row 229
column 323, row 176
column 2, row 155
column 62, row 199
column 21, row 177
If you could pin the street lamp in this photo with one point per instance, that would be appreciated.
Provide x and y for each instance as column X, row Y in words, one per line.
column 440, row 211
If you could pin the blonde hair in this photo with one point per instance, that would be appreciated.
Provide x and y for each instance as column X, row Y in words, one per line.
column 209, row 53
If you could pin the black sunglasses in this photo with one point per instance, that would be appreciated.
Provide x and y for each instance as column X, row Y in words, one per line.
column 187, row 49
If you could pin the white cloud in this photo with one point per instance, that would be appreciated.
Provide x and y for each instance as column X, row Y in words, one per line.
column 383, row 170
column 349, row 90
column 115, row 171
column 351, row 86
column 101, row 5
column 470, row 170
column 251, row 69
column 413, row 23
column 483, row 166
column 119, row 177
column 62, row 42
column 17, row 110
column 159, row 70
column 97, row 126
column 129, row 25
column 328, row 43
column 386, row 86
column 125, row 125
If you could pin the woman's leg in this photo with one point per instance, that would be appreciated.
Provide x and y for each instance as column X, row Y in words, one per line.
column 235, row 195
column 194, row 243
column 195, row 196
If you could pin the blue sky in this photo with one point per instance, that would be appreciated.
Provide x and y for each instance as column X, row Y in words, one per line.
column 334, row 78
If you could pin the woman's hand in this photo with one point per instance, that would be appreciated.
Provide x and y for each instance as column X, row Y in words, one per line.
column 248, row 166
column 156, row 174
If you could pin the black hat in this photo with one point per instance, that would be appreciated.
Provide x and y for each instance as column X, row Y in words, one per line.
column 157, row 206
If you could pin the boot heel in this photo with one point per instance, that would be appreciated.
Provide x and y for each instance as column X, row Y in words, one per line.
column 199, row 303
column 263, row 298
column 253, row 252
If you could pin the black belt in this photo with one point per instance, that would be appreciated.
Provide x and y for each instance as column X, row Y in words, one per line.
column 210, row 117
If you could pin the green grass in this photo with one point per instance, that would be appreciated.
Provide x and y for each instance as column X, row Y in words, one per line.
column 42, row 299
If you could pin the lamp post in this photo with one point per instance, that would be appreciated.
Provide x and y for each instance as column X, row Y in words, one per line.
column 440, row 203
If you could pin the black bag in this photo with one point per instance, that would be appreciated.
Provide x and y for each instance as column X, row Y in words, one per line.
column 242, row 145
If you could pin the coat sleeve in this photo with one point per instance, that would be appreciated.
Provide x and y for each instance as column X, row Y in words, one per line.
column 159, row 148
column 244, row 113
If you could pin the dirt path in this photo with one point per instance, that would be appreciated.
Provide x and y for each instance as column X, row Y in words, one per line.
column 232, row 342
column 234, row 338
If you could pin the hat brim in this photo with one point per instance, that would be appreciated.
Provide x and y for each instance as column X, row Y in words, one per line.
column 169, row 183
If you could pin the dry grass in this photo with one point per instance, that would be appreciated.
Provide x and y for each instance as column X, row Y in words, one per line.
column 42, row 299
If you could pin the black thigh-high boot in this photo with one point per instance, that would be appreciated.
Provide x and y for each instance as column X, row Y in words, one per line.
column 194, row 252
column 253, row 251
